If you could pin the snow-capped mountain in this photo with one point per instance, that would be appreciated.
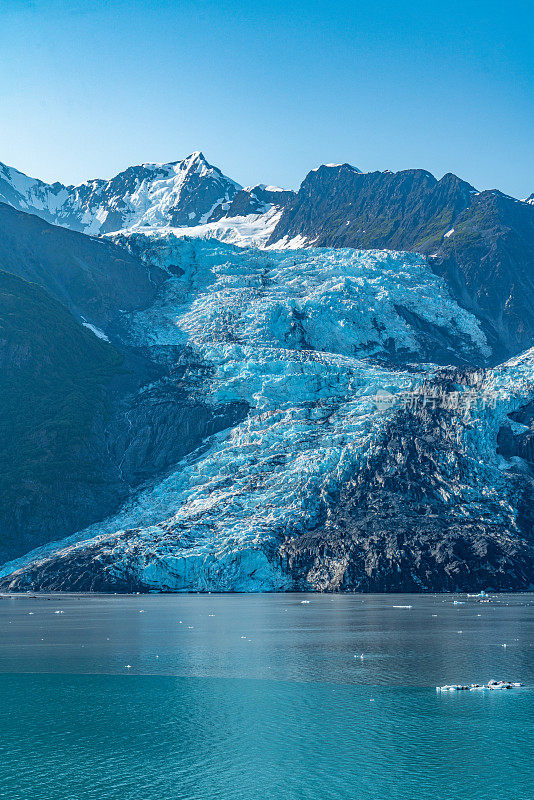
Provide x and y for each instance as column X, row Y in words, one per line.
column 301, row 390
column 482, row 243
column 178, row 194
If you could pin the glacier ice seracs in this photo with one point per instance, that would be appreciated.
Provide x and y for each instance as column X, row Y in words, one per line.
column 311, row 341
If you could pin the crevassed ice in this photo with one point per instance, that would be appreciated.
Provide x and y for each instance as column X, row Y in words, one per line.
column 292, row 335
column 334, row 301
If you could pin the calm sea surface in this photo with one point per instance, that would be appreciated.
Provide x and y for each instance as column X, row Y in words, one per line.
column 265, row 697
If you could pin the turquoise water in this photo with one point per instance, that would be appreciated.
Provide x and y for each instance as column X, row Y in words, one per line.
column 105, row 702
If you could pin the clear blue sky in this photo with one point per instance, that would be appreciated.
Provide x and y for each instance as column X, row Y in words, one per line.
column 269, row 90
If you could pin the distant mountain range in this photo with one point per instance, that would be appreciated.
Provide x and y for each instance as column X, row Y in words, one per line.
column 211, row 387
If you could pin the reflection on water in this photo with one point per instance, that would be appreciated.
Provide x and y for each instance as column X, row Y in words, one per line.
column 274, row 636
column 259, row 697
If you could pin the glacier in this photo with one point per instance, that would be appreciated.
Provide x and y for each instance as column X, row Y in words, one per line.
column 325, row 347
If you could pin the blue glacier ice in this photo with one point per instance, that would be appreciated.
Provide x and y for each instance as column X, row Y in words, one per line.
column 324, row 346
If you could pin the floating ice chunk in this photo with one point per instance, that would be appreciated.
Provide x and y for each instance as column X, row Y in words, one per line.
column 503, row 685
column 476, row 687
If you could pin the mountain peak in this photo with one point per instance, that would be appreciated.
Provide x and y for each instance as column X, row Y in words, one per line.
column 197, row 158
column 196, row 155
column 180, row 193
column 345, row 165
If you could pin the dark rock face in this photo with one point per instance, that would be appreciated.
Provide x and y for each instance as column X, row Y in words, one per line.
column 53, row 374
column 489, row 264
column 342, row 207
column 519, row 443
column 418, row 516
column 481, row 243
column 91, row 277
column 255, row 200
column 81, row 423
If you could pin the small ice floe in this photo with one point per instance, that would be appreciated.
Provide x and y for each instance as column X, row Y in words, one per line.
column 504, row 684
column 100, row 335
column 479, row 687
column 402, row 606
